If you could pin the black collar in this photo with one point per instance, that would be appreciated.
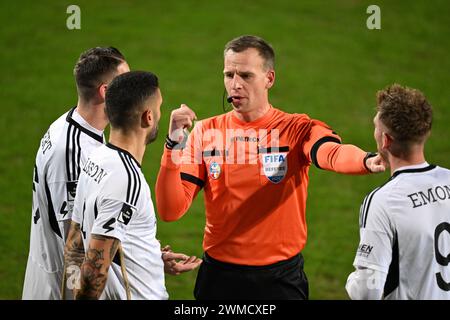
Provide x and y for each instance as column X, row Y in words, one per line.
column 427, row 168
column 110, row 145
column 91, row 134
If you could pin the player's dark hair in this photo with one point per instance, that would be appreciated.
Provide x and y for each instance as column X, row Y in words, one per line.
column 94, row 67
column 245, row 42
column 407, row 115
column 126, row 97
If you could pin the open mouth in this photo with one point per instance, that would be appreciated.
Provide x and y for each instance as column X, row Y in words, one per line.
column 236, row 98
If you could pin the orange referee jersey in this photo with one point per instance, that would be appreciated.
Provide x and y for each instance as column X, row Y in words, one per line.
column 255, row 179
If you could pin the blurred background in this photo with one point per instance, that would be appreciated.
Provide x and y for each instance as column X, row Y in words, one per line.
column 328, row 65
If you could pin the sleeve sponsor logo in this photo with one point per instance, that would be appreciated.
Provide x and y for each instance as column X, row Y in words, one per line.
column 125, row 214
column 364, row 250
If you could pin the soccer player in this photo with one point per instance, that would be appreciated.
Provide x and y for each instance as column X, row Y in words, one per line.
column 253, row 164
column 113, row 211
column 63, row 152
column 404, row 250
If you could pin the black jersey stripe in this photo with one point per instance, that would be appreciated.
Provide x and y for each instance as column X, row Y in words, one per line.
column 51, row 212
column 138, row 180
column 78, row 164
column 128, row 173
column 366, row 211
column 73, row 151
column 361, row 211
column 393, row 276
column 36, row 176
column 370, row 196
column 95, row 209
column 69, row 177
column 93, row 135
column 317, row 145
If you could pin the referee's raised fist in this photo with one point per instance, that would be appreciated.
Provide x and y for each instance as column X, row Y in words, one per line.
column 180, row 119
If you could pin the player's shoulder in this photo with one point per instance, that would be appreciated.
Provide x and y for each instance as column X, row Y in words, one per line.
column 119, row 166
column 374, row 211
column 51, row 141
column 442, row 171
column 381, row 193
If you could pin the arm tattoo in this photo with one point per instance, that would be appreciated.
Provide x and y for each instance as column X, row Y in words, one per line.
column 74, row 249
column 73, row 257
column 94, row 270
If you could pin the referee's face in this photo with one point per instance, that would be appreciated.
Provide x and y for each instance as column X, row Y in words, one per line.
column 247, row 79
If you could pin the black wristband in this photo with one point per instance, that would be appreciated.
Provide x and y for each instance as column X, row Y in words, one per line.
column 170, row 144
column 369, row 155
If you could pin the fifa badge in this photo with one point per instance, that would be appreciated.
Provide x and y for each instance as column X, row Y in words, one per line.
column 274, row 166
column 214, row 170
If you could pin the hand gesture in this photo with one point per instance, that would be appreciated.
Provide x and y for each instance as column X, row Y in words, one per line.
column 180, row 119
column 177, row 263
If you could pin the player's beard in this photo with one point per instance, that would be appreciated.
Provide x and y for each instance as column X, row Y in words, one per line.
column 152, row 135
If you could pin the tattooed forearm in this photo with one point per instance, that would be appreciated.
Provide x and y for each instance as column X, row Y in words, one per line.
column 73, row 258
column 74, row 249
column 94, row 270
column 92, row 279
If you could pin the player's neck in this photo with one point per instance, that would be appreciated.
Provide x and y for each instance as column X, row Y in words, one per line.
column 131, row 142
column 252, row 115
column 94, row 114
column 414, row 159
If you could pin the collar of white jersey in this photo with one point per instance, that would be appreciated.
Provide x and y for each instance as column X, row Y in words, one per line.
column 74, row 118
column 422, row 167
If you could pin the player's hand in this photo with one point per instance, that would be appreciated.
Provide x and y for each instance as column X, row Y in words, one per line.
column 376, row 164
column 177, row 263
column 180, row 119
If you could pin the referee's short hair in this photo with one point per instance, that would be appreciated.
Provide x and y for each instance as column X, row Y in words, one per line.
column 245, row 42
column 126, row 97
column 407, row 115
column 94, row 67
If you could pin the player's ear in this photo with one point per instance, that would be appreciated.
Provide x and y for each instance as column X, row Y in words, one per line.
column 270, row 78
column 102, row 90
column 387, row 140
column 147, row 118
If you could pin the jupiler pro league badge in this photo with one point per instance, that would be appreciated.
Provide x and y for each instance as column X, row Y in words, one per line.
column 214, row 170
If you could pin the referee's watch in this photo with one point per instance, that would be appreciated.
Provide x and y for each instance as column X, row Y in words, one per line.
column 170, row 144
column 369, row 155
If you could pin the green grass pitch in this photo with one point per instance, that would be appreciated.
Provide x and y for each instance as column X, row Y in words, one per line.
column 328, row 65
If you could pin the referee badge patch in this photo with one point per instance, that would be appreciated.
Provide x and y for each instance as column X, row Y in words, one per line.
column 125, row 214
column 274, row 166
column 214, row 170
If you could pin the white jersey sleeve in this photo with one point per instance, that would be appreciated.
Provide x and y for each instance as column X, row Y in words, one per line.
column 113, row 218
column 376, row 234
column 114, row 212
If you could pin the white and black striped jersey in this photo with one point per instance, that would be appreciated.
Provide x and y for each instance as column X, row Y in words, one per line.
column 61, row 155
column 114, row 200
column 405, row 233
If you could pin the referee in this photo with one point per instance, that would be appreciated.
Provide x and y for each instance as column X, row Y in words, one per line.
column 252, row 163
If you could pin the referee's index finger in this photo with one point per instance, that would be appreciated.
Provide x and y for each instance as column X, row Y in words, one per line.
column 188, row 111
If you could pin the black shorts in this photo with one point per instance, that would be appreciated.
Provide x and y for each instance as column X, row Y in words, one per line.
column 284, row 280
